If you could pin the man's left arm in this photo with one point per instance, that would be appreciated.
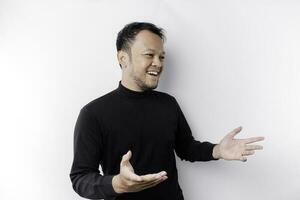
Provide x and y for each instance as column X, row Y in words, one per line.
column 186, row 147
column 229, row 148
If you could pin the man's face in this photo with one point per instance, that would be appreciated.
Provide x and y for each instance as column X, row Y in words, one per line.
column 145, row 64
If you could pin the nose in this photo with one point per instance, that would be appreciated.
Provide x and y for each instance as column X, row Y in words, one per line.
column 157, row 62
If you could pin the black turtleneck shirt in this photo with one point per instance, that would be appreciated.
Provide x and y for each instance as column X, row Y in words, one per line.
column 151, row 125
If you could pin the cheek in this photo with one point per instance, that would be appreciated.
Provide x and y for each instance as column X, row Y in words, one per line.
column 142, row 65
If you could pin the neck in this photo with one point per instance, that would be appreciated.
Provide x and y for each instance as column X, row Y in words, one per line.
column 130, row 84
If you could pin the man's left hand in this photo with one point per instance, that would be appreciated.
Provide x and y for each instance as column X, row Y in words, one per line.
column 236, row 149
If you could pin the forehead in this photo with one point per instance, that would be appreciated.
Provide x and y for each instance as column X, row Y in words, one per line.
column 147, row 41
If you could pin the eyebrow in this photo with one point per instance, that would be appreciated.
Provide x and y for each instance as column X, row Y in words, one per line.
column 154, row 51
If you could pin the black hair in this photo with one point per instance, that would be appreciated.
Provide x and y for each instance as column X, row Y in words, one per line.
column 127, row 35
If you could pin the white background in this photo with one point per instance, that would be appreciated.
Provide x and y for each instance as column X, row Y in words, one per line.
column 229, row 63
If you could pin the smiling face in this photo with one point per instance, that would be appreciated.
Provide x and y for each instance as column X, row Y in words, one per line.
column 142, row 66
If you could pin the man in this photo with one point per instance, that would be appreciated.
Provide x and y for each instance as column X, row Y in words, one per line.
column 133, row 131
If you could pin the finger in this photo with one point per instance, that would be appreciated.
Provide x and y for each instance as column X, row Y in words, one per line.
column 143, row 184
column 151, row 177
column 254, row 147
column 154, row 183
column 135, row 178
column 157, row 181
column 243, row 159
column 126, row 157
column 235, row 131
column 253, row 139
column 248, row 153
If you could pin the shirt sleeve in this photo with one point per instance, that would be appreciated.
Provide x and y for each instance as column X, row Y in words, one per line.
column 186, row 147
column 85, row 175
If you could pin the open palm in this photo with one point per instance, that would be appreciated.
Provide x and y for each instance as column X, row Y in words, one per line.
column 237, row 149
column 127, row 170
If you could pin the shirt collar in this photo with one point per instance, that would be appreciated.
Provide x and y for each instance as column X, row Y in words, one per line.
column 132, row 93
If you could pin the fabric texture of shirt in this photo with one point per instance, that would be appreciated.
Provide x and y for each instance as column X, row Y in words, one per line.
column 151, row 125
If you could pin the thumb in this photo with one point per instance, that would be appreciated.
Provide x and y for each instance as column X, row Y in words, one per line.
column 126, row 157
column 235, row 132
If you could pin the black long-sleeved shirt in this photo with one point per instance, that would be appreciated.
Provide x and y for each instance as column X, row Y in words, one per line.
column 151, row 125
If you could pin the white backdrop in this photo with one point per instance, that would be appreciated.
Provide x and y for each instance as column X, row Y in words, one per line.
column 229, row 63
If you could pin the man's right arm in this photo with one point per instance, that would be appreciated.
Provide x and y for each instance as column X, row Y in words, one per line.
column 85, row 175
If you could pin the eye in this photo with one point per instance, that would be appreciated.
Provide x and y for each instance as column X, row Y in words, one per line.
column 162, row 57
column 149, row 55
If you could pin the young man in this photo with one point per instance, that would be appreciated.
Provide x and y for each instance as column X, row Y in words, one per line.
column 133, row 131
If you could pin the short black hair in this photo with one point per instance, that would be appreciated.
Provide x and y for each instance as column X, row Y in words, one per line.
column 127, row 35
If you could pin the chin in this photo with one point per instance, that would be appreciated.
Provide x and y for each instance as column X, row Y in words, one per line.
column 151, row 86
column 147, row 86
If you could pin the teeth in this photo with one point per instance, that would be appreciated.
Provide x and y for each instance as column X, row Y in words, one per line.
column 153, row 73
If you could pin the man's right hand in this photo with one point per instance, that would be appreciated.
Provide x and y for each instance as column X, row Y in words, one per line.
column 128, row 181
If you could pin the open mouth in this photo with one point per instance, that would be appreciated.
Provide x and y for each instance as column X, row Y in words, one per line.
column 152, row 73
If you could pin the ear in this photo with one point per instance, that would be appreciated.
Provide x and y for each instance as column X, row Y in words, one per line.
column 123, row 58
